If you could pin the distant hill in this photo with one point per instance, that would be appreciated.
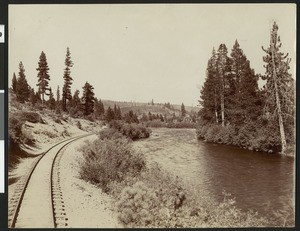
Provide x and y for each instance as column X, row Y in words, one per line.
column 140, row 108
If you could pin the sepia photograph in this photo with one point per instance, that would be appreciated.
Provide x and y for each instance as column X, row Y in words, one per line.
column 151, row 115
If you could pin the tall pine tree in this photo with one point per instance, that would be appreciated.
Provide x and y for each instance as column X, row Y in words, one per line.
column 43, row 76
column 223, row 73
column 244, row 99
column 88, row 99
column 210, row 92
column 279, row 87
column 14, row 83
column 183, row 111
column 22, row 89
column 109, row 114
column 66, row 95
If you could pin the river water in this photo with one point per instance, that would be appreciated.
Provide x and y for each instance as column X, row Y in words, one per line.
column 259, row 181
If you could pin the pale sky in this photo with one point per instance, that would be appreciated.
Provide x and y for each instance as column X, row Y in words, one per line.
column 139, row 52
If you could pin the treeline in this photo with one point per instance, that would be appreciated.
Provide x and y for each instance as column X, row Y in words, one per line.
column 65, row 101
column 85, row 106
column 234, row 109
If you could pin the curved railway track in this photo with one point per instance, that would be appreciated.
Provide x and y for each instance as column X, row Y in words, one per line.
column 58, row 218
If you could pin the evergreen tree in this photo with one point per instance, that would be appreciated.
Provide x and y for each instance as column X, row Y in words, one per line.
column 117, row 112
column 183, row 111
column 150, row 116
column 32, row 98
column 14, row 83
column 99, row 108
column 210, row 92
column 57, row 94
column 51, row 102
column 131, row 117
column 279, row 87
column 88, row 99
column 243, row 101
column 75, row 107
column 43, row 76
column 109, row 114
column 22, row 89
column 66, row 95
column 76, row 99
column 223, row 72
column 38, row 97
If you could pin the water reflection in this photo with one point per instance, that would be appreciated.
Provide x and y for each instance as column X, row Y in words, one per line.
column 259, row 181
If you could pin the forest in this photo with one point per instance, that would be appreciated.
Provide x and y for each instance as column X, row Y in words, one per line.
column 235, row 111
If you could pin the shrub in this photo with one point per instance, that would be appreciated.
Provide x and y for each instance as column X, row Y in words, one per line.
column 15, row 128
column 132, row 131
column 90, row 118
column 17, row 136
column 168, row 205
column 155, row 124
column 110, row 133
column 79, row 125
column 57, row 120
column 16, row 121
column 32, row 117
column 49, row 134
column 258, row 135
column 107, row 160
column 116, row 124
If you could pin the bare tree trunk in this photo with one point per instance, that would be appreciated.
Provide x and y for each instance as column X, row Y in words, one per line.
column 280, row 121
column 43, row 100
column 216, row 116
column 222, row 100
column 222, row 109
column 216, row 107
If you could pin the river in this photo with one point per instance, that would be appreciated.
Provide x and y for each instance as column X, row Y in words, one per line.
column 259, row 181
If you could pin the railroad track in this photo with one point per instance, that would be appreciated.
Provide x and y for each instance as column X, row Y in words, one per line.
column 23, row 206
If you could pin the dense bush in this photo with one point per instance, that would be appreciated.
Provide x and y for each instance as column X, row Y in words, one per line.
column 16, row 121
column 32, row 117
column 135, row 131
column 252, row 135
column 132, row 131
column 148, row 201
column 155, row 124
column 107, row 160
column 110, row 133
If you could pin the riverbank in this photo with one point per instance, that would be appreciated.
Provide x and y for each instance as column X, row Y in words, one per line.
column 251, row 136
column 145, row 194
column 211, row 168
